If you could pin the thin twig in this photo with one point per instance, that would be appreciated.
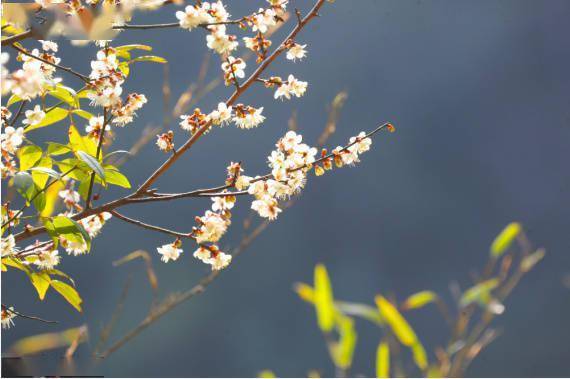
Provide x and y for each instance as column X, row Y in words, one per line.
column 66, row 69
column 35, row 318
column 150, row 227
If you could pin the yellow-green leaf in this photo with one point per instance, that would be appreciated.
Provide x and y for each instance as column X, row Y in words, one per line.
column 92, row 163
column 55, row 115
column 28, row 156
column 397, row 322
column 150, row 58
column 68, row 292
column 113, row 176
column 268, row 374
column 81, row 143
column 43, row 171
column 83, row 114
column 419, row 355
column 383, row 360
column 324, row 300
column 66, row 94
column 343, row 350
column 41, row 282
column 505, row 239
column 419, row 299
column 479, row 293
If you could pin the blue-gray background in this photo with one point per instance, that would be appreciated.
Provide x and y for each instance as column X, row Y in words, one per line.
column 479, row 92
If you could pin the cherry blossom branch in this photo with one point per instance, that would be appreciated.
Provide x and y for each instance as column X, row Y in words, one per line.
column 177, row 24
column 237, row 93
column 66, row 69
column 151, row 227
column 210, row 192
column 18, row 113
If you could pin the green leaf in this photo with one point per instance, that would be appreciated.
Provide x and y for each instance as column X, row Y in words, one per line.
column 41, row 282
column 24, row 184
column 505, row 239
column 70, row 229
column 124, row 67
column 529, row 261
column 16, row 263
column 113, row 176
column 13, row 100
column 324, row 300
column 92, row 162
column 133, row 47
column 28, row 156
column 66, row 94
column 479, row 293
column 55, row 115
column 150, row 58
column 116, row 152
column 396, row 321
column 83, row 114
column 383, row 360
column 79, row 142
column 68, row 292
column 419, row 299
column 42, row 171
column 55, row 149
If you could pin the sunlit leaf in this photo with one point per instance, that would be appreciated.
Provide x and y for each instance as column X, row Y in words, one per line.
column 113, row 176
column 364, row 311
column 150, row 58
column 68, row 292
column 324, row 300
column 41, row 282
column 14, row 262
column 77, row 142
column 505, row 239
column 28, row 156
column 66, row 94
column 55, row 115
column 43, row 171
column 13, row 100
column 83, row 114
column 383, row 360
column 93, row 163
column 68, row 228
column 57, row 149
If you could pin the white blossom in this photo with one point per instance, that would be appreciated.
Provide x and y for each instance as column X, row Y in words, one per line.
column 34, row 116
column 296, row 52
column 11, row 139
column 169, row 252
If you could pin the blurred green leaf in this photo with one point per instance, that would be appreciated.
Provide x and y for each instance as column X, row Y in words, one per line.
column 343, row 350
column 383, row 360
column 479, row 293
column 419, row 299
column 529, row 261
column 397, row 322
column 324, row 300
column 505, row 239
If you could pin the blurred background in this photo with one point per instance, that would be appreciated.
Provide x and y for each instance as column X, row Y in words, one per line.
column 478, row 92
